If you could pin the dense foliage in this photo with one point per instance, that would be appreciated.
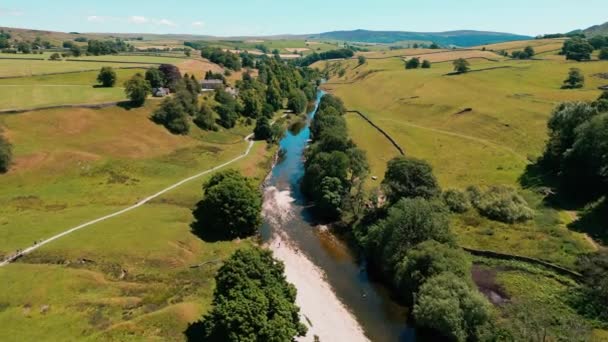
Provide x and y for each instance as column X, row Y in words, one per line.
column 107, row 77
column 594, row 268
column 500, row 203
column 577, row 148
column 174, row 113
column 575, row 79
column 409, row 177
column 155, row 78
column 230, row 207
column 449, row 306
column 461, row 66
column 412, row 63
column 332, row 54
column 252, row 302
column 334, row 165
column 6, row 154
column 137, row 90
column 577, row 49
column 527, row 53
column 226, row 59
column 457, row 201
column 171, row 75
column 106, row 47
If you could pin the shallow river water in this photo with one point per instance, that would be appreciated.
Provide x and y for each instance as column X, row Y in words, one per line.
column 332, row 283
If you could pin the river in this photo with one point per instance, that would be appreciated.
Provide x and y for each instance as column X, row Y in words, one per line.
column 338, row 300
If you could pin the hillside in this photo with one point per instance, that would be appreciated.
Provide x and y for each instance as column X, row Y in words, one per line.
column 459, row 38
column 597, row 30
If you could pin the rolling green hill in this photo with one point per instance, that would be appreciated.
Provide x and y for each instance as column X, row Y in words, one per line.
column 459, row 38
column 597, row 30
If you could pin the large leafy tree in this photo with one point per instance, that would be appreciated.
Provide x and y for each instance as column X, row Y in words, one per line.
column 137, row 89
column 449, row 306
column 408, row 223
column 575, row 79
column 252, row 302
column 230, row 208
column 173, row 116
column 155, row 78
column 461, row 66
column 297, row 102
column 171, row 75
column 409, row 177
column 577, row 49
column 107, row 77
column 426, row 260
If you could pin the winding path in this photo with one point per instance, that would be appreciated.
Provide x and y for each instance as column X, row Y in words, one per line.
column 135, row 206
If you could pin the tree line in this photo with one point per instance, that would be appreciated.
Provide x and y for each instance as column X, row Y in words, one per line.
column 332, row 54
column 580, row 48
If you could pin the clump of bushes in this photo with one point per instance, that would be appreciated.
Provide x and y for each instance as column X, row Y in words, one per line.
column 457, row 201
column 500, row 203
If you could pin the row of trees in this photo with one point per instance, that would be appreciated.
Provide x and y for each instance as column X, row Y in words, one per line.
column 226, row 59
column 409, row 242
column 335, row 168
column 414, row 63
column 332, row 54
column 527, row 53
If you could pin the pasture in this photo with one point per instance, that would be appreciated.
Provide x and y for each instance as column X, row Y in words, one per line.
column 502, row 130
column 127, row 278
column 61, row 89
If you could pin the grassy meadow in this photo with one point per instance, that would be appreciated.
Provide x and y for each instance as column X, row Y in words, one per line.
column 127, row 278
column 503, row 130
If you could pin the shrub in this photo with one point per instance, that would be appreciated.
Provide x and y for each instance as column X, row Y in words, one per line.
column 426, row 260
column 448, row 305
column 55, row 57
column 461, row 66
column 426, row 64
column 457, row 201
column 503, row 204
column 575, row 79
column 205, row 119
column 604, row 54
column 230, row 208
column 6, row 155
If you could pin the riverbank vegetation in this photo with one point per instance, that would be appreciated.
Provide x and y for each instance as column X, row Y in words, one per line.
column 252, row 301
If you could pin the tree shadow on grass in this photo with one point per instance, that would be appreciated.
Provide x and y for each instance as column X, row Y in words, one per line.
column 203, row 231
column 194, row 332
column 127, row 105
column 594, row 221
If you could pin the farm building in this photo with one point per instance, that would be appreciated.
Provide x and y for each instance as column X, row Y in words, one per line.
column 212, row 84
column 160, row 92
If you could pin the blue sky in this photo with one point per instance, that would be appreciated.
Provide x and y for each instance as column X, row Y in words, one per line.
column 265, row 17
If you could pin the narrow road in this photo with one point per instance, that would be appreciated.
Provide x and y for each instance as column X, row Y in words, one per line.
column 120, row 212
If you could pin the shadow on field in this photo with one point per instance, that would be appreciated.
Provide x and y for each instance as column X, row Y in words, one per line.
column 594, row 221
column 127, row 105
column 194, row 332
column 203, row 232
column 592, row 208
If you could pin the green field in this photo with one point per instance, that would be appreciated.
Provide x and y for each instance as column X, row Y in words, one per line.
column 490, row 144
column 60, row 89
column 75, row 165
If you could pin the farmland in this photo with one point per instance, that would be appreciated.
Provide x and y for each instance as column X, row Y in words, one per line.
column 75, row 165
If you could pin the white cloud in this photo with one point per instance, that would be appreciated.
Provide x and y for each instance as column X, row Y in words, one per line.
column 10, row 12
column 198, row 24
column 96, row 19
column 165, row 22
column 136, row 19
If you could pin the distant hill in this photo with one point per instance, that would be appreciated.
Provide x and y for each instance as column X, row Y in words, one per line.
column 597, row 30
column 457, row 38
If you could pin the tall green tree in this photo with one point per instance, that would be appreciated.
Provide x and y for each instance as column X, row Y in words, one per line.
column 575, row 79
column 412, row 63
column 173, row 116
column 577, row 49
column 409, row 177
column 252, row 302
column 107, row 77
column 230, row 208
column 155, row 78
column 461, row 66
column 6, row 154
column 297, row 102
column 137, row 90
